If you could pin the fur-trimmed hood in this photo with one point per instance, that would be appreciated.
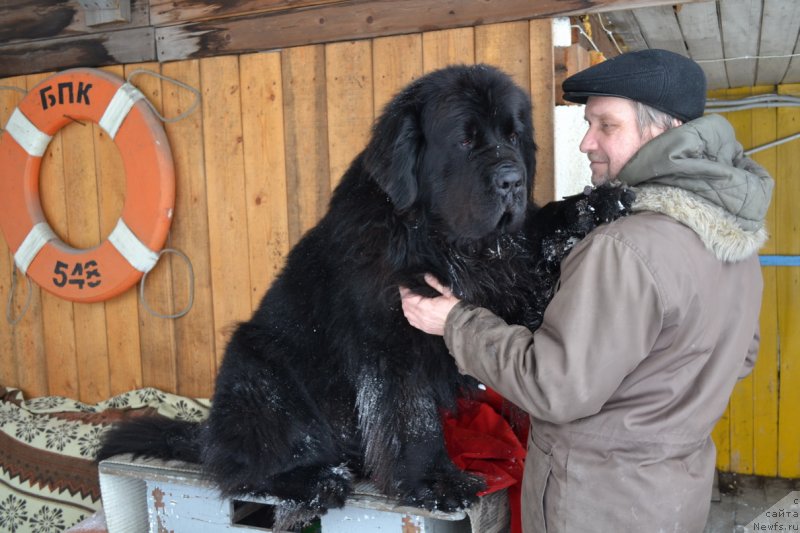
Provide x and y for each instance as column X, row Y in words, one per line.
column 698, row 174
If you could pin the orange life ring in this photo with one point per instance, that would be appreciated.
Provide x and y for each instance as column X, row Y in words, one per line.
column 98, row 273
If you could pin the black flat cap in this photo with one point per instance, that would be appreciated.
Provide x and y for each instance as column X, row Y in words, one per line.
column 661, row 79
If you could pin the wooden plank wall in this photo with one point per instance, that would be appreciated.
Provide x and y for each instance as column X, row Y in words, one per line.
column 255, row 167
column 759, row 433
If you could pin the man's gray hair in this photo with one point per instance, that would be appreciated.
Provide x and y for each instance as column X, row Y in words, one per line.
column 648, row 116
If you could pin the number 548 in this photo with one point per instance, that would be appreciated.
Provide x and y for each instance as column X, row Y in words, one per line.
column 80, row 274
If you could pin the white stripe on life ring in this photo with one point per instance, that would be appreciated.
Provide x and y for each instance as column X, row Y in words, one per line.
column 39, row 235
column 27, row 135
column 132, row 249
column 119, row 107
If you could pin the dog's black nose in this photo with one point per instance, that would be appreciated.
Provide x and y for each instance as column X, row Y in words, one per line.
column 508, row 179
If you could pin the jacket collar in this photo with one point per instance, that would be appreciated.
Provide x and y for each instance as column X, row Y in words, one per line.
column 719, row 230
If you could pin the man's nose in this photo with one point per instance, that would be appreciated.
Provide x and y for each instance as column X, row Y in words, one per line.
column 587, row 143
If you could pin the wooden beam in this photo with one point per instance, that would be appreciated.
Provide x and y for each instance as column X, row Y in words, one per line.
column 783, row 20
column 701, row 32
column 738, row 39
column 23, row 21
column 164, row 12
column 337, row 21
column 602, row 35
column 660, row 28
column 625, row 26
column 41, row 35
column 95, row 50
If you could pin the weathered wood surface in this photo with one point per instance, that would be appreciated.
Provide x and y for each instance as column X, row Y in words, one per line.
column 33, row 20
column 739, row 43
column 90, row 50
column 41, row 35
column 336, row 21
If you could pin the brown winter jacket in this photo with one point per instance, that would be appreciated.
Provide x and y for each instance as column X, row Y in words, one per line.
column 654, row 321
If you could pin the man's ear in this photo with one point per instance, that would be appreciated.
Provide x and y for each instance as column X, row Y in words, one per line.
column 391, row 157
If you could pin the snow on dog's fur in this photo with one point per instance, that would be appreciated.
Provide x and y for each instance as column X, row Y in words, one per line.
column 327, row 381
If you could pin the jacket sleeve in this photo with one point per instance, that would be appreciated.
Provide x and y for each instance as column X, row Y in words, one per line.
column 601, row 323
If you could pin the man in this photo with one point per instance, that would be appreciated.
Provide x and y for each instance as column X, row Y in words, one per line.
column 655, row 318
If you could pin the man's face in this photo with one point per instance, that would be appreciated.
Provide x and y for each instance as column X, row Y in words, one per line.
column 613, row 136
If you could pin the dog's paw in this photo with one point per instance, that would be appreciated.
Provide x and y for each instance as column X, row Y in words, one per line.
column 594, row 206
column 334, row 486
column 445, row 491
column 312, row 489
column 609, row 202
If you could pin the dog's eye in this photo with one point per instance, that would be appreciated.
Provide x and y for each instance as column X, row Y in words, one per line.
column 513, row 137
column 468, row 136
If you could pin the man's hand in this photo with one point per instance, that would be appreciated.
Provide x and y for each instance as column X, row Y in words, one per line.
column 428, row 314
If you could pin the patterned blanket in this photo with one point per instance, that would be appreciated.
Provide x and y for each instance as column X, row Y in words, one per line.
column 48, row 479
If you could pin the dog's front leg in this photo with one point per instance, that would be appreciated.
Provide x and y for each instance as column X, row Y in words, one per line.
column 404, row 452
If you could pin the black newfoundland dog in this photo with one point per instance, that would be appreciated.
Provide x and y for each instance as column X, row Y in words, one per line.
column 327, row 382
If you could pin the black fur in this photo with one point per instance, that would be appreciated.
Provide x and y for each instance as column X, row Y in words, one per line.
column 327, row 381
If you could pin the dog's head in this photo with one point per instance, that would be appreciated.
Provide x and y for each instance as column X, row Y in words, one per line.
column 457, row 144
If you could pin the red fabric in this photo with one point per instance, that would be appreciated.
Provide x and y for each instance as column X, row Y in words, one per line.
column 481, row 440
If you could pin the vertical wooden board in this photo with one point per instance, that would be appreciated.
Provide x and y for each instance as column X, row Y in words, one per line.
column 83, row 227
column 156, row 334
column 28, row 338
column 58, row 318
column 765, row 131
column 396, row 62
column 348, row 72
column 741, row 401
column 194, row 332
column 543, row 99
column 122, row 327
column 9, row 368
column 506, row 46
column 448, row 47
column 265, row 169
column 306, row 137
column 765, row 382
column 787, row 233
column 225, row 189
column 568, row 61
column 765, row 373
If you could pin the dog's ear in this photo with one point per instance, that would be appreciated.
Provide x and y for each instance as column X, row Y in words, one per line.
column 393, row 152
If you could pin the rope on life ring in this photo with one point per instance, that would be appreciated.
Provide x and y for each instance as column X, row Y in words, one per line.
column 132, row 248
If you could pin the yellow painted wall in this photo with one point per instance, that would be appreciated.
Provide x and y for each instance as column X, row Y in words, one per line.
column 760, row 431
